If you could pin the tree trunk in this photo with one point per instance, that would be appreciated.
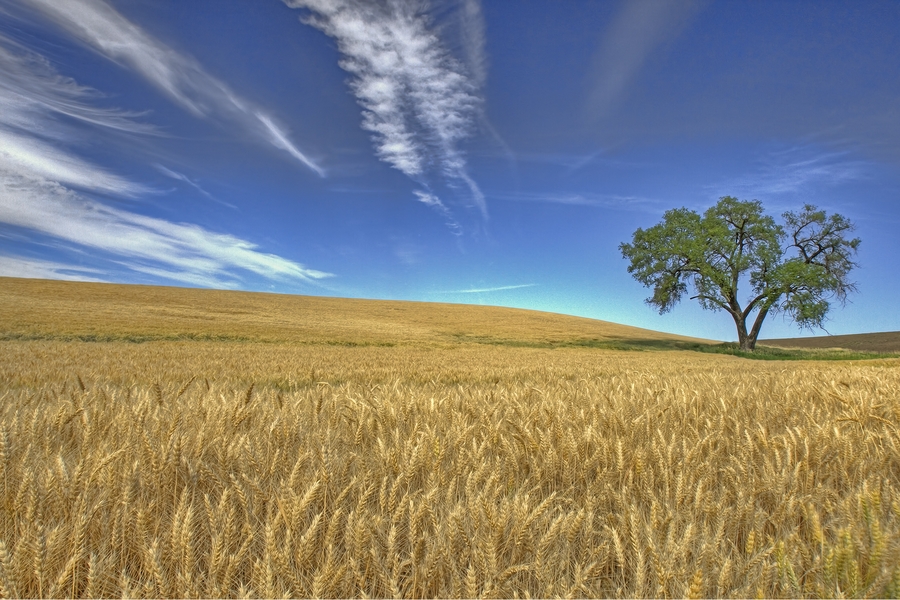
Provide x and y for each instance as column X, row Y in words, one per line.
column 748, row 344
column 746, row 341
column 757, row 325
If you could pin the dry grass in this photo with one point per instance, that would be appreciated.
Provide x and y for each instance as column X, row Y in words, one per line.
column 40, row 309
column 204, row 469
column 887, row 341
column 438, row 469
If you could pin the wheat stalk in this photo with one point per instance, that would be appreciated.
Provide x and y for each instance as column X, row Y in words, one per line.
column 440, row 472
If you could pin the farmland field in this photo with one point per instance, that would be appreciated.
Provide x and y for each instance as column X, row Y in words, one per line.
column 887, row 341
column 163, row 442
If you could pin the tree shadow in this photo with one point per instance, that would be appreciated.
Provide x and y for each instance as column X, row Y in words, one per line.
column 733, row 349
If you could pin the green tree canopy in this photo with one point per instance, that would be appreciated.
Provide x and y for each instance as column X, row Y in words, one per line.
column 797, row 268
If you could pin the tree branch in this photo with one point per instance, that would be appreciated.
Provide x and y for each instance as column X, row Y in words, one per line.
column 752, row 304
column 715, row 301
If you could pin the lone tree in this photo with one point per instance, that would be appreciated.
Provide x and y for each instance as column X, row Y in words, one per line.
column 795, row 269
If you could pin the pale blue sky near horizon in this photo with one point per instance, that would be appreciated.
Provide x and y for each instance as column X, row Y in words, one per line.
column 450, row 151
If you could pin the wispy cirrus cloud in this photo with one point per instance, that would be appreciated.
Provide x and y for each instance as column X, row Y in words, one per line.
column 794, row 170
column 581, row 199
column 639, row 28
column 46, row 188
column 487, row 290
column 184, row 178
column 103, row 29
column 34, row 268
column 418, row 101
column 30, row 88
column 435, row 203
column 572, row 162
column 32, row 138
column 24, row 154
column 177, row 251
column 469, row 22
column 472, row 37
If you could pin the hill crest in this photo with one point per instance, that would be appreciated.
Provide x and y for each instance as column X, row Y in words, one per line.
column 38, row 308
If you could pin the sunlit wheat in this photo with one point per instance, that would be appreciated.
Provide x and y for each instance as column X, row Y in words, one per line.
column 221, row 469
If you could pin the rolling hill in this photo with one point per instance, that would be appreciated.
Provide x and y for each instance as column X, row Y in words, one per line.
column 322, row 447
column 886, row 341
column 49, row 309
column 38, row 309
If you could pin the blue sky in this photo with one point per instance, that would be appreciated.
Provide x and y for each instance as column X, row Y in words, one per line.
column 452, row 151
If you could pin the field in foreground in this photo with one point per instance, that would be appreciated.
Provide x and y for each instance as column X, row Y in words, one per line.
column 440, row 468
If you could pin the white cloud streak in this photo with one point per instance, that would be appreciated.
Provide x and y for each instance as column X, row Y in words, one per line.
column 184, row 178
column 470, row 20
column 24, row 154
column 441, row 208
column 579, row 199
column 473, row 40
column 103, row 29
column 32, row 97
column 637, row 30
column 792, row 171
column 431, row 200
column 33, row 268
column 191, row 252
column 30, row 88
column 418, row 101
column 501, row 288
column 188, row 277
column 43, row 186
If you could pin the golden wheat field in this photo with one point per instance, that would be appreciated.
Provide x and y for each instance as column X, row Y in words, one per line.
column 392, row 452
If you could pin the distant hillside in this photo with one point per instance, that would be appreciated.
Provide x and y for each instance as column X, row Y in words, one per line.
column 888, row 341
column 45, row 309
